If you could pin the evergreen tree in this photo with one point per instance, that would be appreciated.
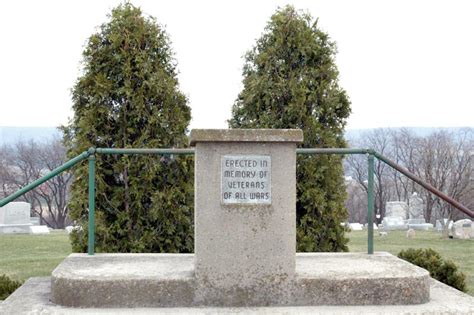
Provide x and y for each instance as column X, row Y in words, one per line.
column 291, row 81
column 128, row 97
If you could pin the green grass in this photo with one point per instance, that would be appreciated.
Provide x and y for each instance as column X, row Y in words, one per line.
column 461, row 252
column 24, row 256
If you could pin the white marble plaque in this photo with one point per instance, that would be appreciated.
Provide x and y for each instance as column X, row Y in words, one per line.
column 246, row 179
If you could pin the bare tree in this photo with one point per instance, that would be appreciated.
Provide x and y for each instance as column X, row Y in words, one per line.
column 356, row 165
column 356, row 202
column 404, row 143
column 451, row 157
column 442, row 159
column 24, row 162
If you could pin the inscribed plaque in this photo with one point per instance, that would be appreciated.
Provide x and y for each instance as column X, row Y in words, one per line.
column 246, row 179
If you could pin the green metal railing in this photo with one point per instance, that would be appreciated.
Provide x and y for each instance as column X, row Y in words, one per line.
column 371, row 155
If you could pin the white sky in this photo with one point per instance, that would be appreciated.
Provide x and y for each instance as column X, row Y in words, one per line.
column 403, row 63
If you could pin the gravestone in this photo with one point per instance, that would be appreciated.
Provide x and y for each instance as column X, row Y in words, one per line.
column 393, row 223
column 416, row 219
column 15, row 218
column 396, row 209
column 463, row 229
column 395, row 215
column 356, row 226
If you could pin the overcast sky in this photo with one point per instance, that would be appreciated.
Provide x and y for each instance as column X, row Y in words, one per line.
column 403, row 63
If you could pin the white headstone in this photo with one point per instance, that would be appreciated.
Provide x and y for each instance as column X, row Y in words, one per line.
column 396, row 209
column 15, row 213
column 394, row 223
column 355, row 226
column 15, row 218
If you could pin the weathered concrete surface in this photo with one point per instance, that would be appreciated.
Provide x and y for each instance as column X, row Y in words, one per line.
column 246, row 135
column 33, row 298
column 359, row 279
column 245, row 251
column 124, row 280
column 249, row 248
column 137, row 280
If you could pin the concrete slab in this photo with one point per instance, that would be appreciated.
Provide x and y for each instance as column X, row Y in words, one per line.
column 155, row 280
column 34, row 298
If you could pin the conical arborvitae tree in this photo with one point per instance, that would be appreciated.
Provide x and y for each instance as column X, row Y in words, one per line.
column 128, row 97
column 291, row 81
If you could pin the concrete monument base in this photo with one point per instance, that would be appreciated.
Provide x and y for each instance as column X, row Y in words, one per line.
column 34, row 298
column 168, row 280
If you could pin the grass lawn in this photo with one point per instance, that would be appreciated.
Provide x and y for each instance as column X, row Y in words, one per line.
column 461, row 252
column 24, row 256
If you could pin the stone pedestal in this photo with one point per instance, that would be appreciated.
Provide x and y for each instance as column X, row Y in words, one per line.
column 245, row 215
column 245, row 244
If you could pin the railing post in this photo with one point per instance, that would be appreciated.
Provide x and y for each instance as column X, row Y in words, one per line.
column 370, row 205
column 91, row 236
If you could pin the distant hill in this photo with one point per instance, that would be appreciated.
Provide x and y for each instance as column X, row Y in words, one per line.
column 9, row 135
column 419, row 131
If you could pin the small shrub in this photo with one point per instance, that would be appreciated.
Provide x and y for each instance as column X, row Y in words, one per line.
column 7, row 286
column 442, row 270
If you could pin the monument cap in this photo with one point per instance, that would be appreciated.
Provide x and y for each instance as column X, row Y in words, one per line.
column 246, row 135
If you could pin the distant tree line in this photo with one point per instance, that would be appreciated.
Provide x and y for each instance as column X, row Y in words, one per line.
column 24, row 162
column 443, row 159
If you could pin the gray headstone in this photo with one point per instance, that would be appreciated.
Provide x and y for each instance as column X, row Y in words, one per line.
column 463, row 229
column 15, row 213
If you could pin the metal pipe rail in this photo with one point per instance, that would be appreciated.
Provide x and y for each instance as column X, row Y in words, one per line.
column 427, row 186
column 41, row 180
column 371, row 154
column 146, row 151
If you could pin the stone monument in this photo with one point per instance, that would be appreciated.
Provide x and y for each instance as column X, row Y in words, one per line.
column 395, row 215
column 416, row 218
column 463, row 229
column 15, row 218
column 245, row 244
column 245, row 235
column 396, row 209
